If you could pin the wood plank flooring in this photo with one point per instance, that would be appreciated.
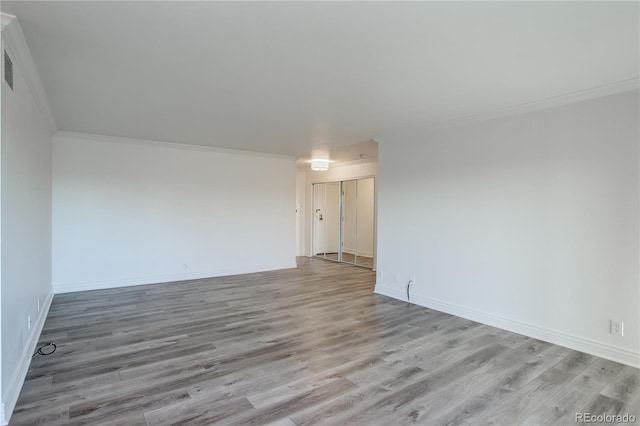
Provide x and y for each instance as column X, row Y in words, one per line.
column 304, row 346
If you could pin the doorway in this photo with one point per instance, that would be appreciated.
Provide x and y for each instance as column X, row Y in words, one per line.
column 344, row 221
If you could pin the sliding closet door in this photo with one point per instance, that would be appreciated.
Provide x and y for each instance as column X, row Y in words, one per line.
column 343, row 224
column 332, row 221
column 365, row 222
column 349, row 220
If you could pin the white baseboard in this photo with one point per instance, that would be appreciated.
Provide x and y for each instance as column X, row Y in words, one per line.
column 15, row 384
column 164, row 278
column 603, row 350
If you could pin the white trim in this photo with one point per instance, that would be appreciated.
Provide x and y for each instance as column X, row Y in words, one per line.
column 550, row 102
column 581, row 344
column 17, row 380
column 23, row 61
column 536, row 105
column 166, row 278
column 5, row 19
column 171, row 145
column 3, row 421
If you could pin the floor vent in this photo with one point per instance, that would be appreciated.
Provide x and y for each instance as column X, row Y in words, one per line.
column 8, row 70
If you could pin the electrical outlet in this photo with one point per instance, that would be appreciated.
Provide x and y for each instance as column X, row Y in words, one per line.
column 185, row 266
column 616, row 327
column 38, row 304
column 28, row 322
column 380, row 275
column 413, row 280
column 396, row 278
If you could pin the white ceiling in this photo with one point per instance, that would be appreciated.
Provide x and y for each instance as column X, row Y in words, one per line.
column 288, row 78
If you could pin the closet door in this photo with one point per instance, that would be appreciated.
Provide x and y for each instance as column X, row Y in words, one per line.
column 349, row 221
column 343, row 224
column 332, row 221
column 365, row 222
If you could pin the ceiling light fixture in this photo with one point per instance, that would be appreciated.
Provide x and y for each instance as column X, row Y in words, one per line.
column 320, row 165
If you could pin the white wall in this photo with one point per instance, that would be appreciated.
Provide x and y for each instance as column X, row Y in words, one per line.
column 25, row 224
column 127, row 212
column 530, row 222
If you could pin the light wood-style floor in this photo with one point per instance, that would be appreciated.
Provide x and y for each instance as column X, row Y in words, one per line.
column 303, row 346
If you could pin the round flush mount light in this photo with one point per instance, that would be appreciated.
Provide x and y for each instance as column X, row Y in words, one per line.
column 320, row 165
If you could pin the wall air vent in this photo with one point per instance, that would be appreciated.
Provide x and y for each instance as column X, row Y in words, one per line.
column 8, row 70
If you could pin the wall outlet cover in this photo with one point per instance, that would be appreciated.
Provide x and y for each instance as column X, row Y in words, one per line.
column 616, row 327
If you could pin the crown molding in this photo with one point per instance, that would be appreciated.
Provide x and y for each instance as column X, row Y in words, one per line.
column 566, row 98
column 536, row 105
column 16, row 44
column 171, row 145
column 5, row 18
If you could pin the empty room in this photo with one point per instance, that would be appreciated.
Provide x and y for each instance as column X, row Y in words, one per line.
column 320, row 213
